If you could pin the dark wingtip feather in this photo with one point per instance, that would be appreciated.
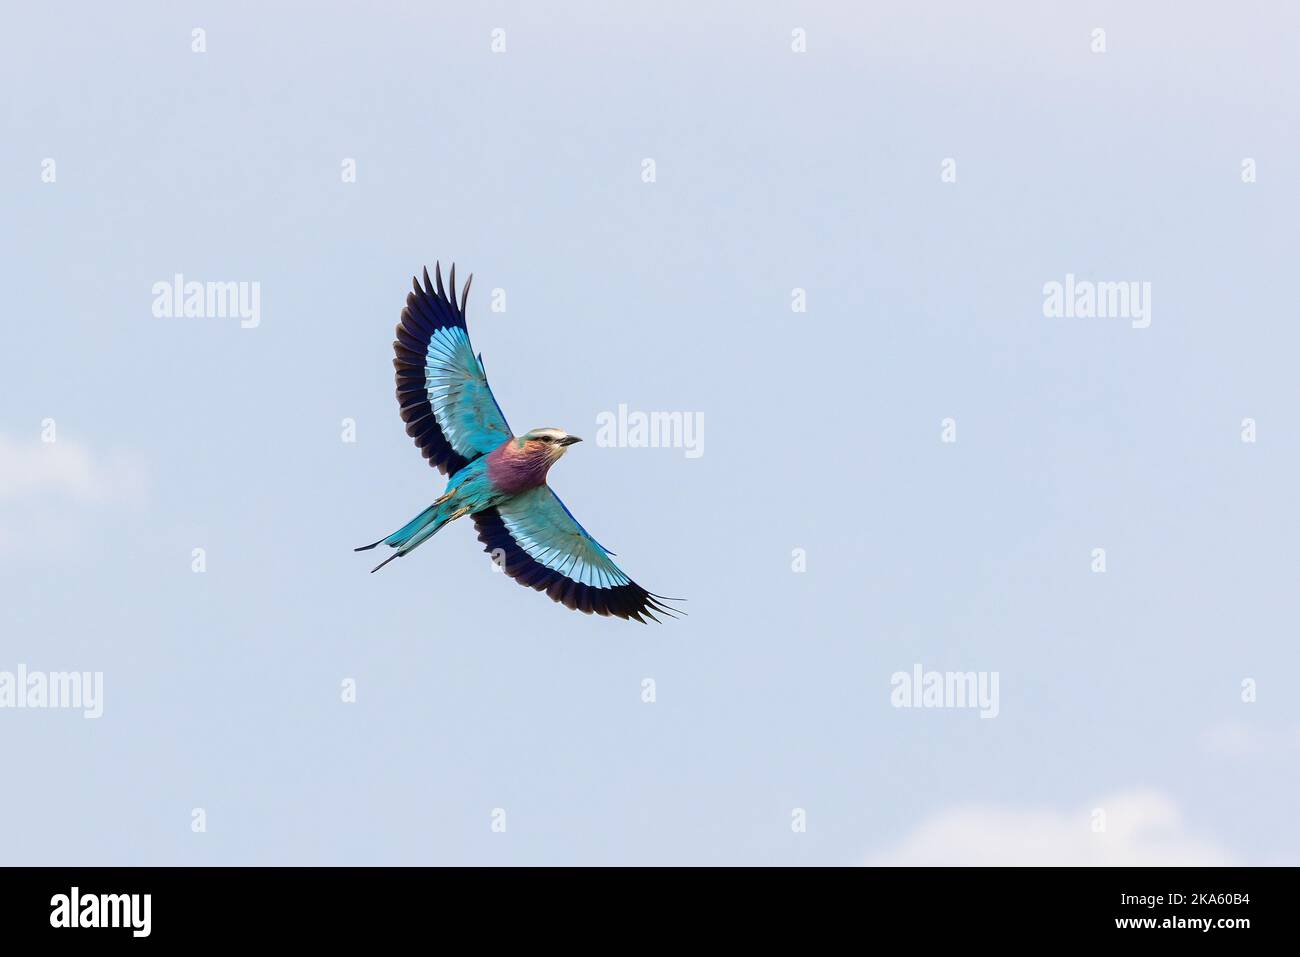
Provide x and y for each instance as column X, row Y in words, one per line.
column 666, row 610
column 464, row 293
column 437, row 273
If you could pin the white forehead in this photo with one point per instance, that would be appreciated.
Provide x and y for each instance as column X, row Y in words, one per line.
column 553, row 433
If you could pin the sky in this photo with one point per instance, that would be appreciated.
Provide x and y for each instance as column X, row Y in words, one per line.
column 821, row 231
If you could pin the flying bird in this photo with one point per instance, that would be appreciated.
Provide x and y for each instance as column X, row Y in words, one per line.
column 494, row 476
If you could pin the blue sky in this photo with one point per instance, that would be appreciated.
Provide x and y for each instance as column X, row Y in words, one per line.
column 775, row 170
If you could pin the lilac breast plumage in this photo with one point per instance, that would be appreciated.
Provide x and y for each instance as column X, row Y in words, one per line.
column 514, row 470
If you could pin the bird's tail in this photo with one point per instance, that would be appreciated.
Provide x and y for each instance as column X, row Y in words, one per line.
column 417, row 531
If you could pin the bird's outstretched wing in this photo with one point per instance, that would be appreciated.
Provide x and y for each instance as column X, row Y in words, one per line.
column 545, row 548
column 443, row 392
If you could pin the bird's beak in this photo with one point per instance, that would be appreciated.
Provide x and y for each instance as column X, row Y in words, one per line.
column 569, row 440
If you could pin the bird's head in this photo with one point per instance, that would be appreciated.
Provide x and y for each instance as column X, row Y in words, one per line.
column 547, row 443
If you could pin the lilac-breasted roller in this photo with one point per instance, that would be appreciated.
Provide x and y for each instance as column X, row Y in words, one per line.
column 495, row 476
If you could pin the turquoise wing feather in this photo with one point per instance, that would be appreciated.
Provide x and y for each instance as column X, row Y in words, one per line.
column 442, row 390
column 545, row 548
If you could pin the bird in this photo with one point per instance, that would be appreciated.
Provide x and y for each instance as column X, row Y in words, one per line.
column 496, row 478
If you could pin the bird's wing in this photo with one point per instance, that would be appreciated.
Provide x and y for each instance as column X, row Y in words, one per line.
column 545, row 548
column 443, row 392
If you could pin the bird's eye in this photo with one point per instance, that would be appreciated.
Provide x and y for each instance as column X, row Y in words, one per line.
column 545, row 438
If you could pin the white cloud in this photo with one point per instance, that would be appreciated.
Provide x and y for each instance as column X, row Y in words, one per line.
column 66, row 468
column 1143, row 829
